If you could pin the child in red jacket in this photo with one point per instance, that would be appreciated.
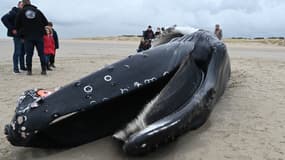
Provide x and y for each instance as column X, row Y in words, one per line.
column 49, row 46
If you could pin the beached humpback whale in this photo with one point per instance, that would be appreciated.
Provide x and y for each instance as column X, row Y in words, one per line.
column 144, row 100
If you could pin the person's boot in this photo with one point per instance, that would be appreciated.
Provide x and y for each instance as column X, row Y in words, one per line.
column 44, row 71
column 29, row 70
column 16, row 71
column 52, row 65
column 48, row 68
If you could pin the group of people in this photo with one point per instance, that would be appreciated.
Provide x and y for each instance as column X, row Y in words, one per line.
column 30, row 29
column 148, row 36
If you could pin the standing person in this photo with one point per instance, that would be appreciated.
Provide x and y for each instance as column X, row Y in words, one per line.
column 49, row 46
column 55, row 38
column 31, row 22
column 19, row 51
column 157, row 32
column 218, row 32
column 162, row 30
column 148, row 34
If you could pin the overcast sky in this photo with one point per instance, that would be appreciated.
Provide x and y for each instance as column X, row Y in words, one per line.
column 90, row 18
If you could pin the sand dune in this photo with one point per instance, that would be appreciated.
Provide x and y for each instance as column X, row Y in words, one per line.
column 248, row 122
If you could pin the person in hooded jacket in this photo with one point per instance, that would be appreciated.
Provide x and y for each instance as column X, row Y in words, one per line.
column 49, row 46
column 31, row 22
column 56, row 43
column 19, row 51
column 148, row 34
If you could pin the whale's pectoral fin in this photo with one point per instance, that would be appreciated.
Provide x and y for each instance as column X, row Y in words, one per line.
column 167, row 115
column 184, row 104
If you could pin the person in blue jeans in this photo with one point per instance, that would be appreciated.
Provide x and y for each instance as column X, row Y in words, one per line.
column 19, row 51
column 31, row 22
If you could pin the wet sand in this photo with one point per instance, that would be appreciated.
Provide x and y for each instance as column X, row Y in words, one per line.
column 247, row 123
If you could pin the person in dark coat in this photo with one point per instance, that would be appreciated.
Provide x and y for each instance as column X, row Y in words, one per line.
column 31, row 22
column 148, row 34
column 19, row 51
column 157, row 32
column 55, row 38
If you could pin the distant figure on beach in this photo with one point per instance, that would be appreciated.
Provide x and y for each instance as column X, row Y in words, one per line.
column 144, row 45
column 19, row 51
column 162, row 30
column 218, row 32
column 49, row 46
column 31, row 22
column 55, row 38
column 148, row 33
column 157, row 32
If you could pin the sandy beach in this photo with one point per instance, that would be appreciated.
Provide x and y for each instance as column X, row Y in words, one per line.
column 248, row 123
